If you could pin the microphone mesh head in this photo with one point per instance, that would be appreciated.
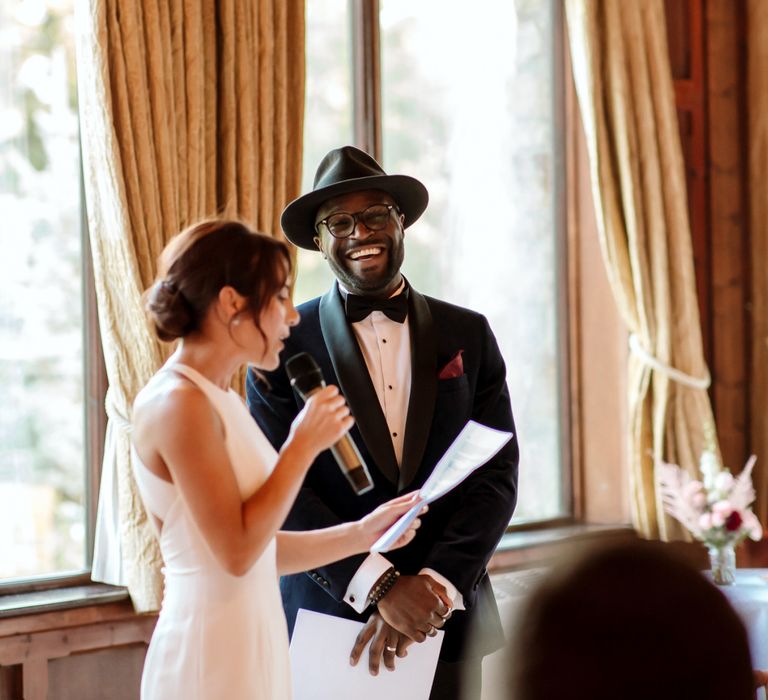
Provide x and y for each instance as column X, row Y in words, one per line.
column 304, row 373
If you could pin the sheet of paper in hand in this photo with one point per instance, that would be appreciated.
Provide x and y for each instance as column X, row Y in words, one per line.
column 471, row 449
column 320, row 668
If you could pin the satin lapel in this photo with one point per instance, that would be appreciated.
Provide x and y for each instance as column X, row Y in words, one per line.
column 355, row 383
column 421, row 405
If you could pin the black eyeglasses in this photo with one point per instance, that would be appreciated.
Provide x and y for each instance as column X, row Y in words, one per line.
column 342, row 224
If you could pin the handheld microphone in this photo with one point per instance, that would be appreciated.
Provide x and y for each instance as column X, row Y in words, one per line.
column 307, row 379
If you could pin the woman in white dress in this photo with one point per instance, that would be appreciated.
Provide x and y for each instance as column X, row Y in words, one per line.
column 214, row 487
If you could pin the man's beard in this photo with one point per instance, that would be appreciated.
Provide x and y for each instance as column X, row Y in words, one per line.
column 369, row 284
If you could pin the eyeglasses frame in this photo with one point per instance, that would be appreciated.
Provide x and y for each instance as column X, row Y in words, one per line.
column 355, row 220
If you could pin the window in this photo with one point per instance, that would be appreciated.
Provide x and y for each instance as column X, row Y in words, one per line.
column 469, row 105
column 44, row 483
column 328, row 112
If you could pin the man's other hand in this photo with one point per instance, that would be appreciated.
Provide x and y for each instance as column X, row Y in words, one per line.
column 416, row 606
column 386, row 643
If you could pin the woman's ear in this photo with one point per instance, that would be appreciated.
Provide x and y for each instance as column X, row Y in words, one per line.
column 231, row 303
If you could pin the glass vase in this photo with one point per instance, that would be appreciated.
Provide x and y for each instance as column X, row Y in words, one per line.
column 722, row 560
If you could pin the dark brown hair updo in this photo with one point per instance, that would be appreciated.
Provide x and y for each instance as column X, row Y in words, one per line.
column 204, row 258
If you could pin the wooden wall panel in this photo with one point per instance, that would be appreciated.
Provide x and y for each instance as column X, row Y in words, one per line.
column 757, row 109
column 10, row 682
column 708, row 59
column 89, row 653
column 107, row 673
column 728, row 223
column 730, row 226
column 687, row 52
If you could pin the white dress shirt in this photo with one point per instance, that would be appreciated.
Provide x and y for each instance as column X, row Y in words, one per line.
column 386, row 348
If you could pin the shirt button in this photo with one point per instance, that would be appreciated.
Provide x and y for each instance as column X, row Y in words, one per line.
column 383, row 340
column 394, row 434
column 389, row 386
column 351, row 599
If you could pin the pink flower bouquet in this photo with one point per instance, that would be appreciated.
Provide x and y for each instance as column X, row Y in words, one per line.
column 716, row 510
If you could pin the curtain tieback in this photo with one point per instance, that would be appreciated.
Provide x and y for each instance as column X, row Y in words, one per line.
column 114, row 414
column 637, row 349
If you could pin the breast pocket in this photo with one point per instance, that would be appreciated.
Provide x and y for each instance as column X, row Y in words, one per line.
column 453, row 405
column 454, row 384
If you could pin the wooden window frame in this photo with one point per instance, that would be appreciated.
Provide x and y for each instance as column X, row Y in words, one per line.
column 593, row 487
column 95, row 419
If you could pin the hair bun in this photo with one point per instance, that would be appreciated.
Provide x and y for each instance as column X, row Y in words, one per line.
column 203, row 259
column 169, row 310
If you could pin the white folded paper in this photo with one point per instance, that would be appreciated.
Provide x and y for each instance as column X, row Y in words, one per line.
column 471, row 449
column 320, row 667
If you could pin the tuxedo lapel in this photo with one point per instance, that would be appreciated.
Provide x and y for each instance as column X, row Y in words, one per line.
column 355, row 383
column 421, row 404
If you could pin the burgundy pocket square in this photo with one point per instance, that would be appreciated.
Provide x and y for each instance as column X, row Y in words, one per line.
column 454, row 367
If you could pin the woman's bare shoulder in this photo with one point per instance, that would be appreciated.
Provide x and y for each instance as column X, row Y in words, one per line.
column 173, row 424
column 170, row 401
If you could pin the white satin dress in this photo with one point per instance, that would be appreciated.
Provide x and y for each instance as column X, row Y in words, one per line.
column 218, row 636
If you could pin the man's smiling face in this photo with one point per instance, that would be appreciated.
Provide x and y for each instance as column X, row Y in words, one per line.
column 366, row 262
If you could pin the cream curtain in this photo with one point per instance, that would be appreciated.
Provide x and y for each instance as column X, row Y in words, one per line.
column 188, row 108
column 624, row 87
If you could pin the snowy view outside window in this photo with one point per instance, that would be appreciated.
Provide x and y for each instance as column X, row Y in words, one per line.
column 469, row 107
column 42, row 463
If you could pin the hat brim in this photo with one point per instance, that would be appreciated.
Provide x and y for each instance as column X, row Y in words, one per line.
column 298, row 218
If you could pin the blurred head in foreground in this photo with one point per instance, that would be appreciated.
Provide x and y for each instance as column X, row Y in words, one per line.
column 629, row 622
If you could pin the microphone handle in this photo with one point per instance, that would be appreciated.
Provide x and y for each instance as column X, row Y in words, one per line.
column 348, row 458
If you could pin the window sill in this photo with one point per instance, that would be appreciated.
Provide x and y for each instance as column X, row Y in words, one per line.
column 57, row 599
column 517, row 550
column 533, row 548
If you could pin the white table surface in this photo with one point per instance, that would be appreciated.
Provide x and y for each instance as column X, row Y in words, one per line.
column 749, row 598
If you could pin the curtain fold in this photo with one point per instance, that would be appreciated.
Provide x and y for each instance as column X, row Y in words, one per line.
column 624, row 87
column 188, row 109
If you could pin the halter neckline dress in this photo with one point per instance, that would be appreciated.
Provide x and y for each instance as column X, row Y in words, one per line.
column 218, row 635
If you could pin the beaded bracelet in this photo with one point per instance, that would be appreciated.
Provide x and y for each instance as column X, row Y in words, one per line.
column 383, row 586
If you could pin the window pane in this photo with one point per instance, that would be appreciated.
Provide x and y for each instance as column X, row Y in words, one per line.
column 469, row 108
column 327, row 114
column 42, row 466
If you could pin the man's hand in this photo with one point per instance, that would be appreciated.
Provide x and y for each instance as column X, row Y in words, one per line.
column 386, row 643
column 416, row 606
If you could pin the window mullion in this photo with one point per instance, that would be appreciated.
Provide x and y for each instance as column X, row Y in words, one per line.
column 366, row 76
column 95, row 374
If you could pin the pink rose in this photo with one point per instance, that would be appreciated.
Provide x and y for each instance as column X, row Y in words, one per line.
column 705, row 521
column 724, row 508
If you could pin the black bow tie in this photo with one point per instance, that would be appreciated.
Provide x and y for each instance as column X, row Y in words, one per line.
column 357, row 308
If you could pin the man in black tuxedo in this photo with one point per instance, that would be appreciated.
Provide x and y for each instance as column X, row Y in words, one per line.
column 414, row 370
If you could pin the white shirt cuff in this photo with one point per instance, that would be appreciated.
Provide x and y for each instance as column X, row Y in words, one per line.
column 365, row 577
column 453, row 593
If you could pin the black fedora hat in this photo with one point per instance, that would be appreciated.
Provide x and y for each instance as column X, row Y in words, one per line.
column 343, row 170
